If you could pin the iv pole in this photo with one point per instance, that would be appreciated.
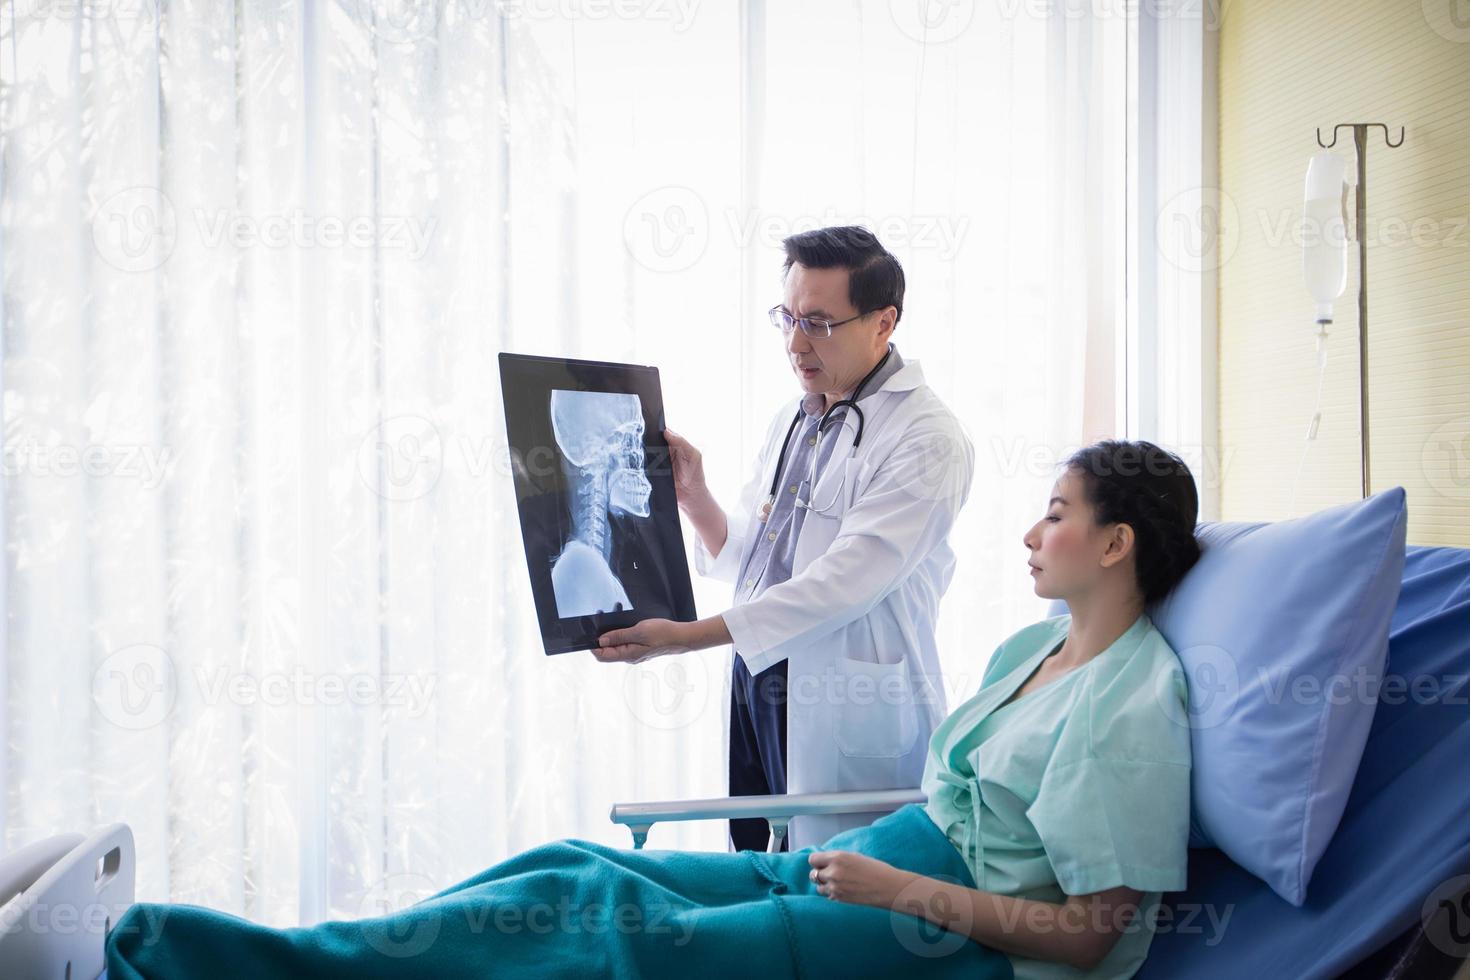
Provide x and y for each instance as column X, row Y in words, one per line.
column 1360, row 143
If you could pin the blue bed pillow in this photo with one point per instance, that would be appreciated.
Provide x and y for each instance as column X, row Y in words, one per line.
column 1282, row 630
column 1391, row 862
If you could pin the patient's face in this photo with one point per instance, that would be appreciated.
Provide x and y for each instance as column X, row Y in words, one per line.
column 841, row 360
column 1066, row 545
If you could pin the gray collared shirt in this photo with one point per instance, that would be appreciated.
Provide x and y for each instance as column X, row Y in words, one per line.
column 771, row 552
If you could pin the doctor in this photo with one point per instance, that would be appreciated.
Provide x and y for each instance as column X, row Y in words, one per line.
column 839, row 549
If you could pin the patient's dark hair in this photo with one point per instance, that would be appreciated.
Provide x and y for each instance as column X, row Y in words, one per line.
column 874, row 280
column 1152, row 491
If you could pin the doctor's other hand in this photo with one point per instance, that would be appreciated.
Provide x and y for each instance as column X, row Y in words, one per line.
column 688, row 465
column 641, row 641
column 846, row 876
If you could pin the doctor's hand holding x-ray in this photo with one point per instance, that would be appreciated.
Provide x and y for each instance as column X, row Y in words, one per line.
column 839, row 549
column 659, row 637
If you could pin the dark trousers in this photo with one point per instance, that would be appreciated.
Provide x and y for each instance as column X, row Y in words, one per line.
column 757, row 745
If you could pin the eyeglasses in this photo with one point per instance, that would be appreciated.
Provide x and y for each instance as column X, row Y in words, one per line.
column 810, row 325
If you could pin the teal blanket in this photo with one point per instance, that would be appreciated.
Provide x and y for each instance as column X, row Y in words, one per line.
column 574, row 908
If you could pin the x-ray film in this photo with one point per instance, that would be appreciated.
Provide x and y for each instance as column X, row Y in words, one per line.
column 595, row 491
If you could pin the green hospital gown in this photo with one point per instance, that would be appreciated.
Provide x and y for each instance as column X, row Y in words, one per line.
column 1078, row 786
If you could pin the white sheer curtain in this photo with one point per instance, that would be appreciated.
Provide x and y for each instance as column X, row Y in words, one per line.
column 265, row 599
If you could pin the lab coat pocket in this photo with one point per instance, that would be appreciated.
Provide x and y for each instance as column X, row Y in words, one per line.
column 835, row 487
column 874, row 714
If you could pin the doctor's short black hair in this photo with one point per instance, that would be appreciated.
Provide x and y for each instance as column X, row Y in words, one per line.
column 875, row 279
column 1152, row 491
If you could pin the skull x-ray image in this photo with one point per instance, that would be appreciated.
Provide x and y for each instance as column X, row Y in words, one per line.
column 600, row 435
column 599, row 518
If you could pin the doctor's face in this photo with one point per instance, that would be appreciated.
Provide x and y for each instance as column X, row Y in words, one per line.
column 832, row 365
column 1068, row 548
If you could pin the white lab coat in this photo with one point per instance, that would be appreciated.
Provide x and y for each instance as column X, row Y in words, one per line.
column 856, row 619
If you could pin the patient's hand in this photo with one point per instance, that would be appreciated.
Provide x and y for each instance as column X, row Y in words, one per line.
column 856, row 878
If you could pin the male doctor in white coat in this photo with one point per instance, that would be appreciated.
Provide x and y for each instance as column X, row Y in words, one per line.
column 839, row 549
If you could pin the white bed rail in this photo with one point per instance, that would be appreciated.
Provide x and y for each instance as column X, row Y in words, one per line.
column 777, row 811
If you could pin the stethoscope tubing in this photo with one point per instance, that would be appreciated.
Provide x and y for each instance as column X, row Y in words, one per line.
column 821, row 425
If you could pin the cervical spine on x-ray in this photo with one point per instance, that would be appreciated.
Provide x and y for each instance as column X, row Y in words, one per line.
column 600, row 435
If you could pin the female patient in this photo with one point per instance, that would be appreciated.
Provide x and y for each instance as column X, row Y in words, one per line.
column 1057, row 811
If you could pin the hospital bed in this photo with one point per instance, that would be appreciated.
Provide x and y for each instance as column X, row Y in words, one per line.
column 58, row 900
column 1390, row 898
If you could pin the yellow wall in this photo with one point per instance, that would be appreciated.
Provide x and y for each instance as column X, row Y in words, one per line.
column 1286, row 67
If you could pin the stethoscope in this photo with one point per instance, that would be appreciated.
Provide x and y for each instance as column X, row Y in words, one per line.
column 765, row 511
